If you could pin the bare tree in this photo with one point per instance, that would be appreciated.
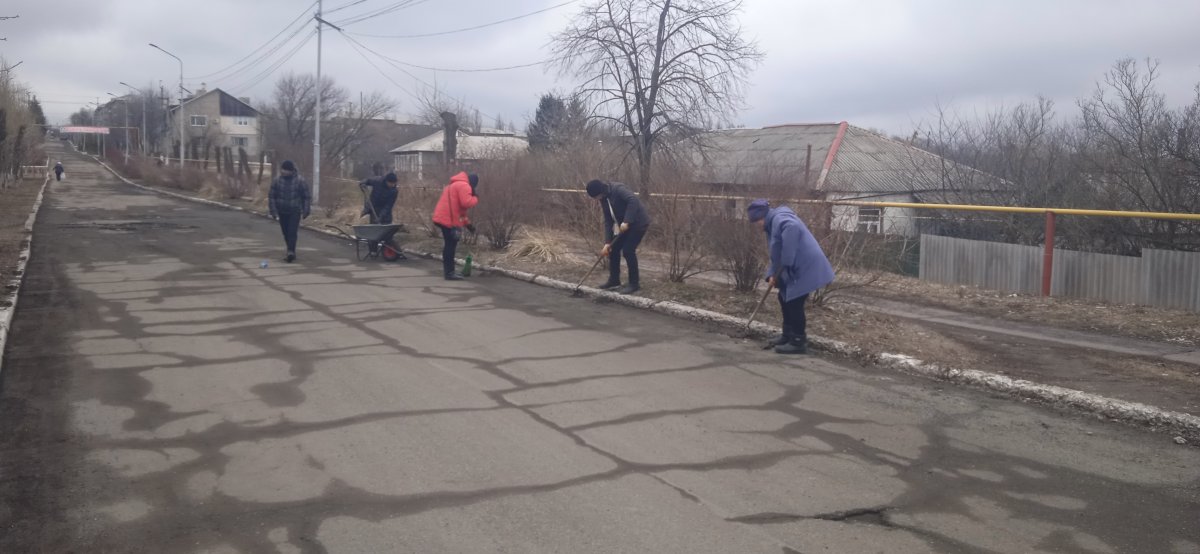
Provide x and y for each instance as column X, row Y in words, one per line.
column 656, row 67
column 293, row 107
column 1140, row 153
column 345, row 134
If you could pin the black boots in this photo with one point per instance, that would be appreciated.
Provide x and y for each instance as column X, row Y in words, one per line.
column 630, row 288
column 609, row 285
column 793, row 346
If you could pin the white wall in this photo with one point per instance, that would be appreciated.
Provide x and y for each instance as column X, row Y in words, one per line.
column 895, row 221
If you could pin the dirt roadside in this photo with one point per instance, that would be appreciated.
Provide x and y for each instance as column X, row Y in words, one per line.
column 15, row 205
column 1153, row 380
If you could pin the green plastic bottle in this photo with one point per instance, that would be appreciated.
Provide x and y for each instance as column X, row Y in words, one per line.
column 467, row 267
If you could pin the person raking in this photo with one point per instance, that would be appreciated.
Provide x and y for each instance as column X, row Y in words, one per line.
column 625, row 223
column 798, row 267
column 290, row 200
column 381, row 193
column 450, row 216
column 58, row 171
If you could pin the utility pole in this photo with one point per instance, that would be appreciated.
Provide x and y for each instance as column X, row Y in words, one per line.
column 317, row 123
column 125, row 103
column 142, row 138
column 182, row 136
column 320, row 89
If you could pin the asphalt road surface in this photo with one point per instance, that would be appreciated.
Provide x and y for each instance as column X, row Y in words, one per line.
column 163, row 393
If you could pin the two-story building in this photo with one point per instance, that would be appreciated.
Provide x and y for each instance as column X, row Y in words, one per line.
column 217, row 119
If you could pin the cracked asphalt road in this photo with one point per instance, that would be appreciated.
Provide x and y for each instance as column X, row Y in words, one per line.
column 162, row 393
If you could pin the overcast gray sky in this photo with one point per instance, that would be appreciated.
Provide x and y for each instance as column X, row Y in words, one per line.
column 875, row 63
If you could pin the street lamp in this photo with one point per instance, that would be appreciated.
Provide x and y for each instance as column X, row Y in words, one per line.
column 125, row 103
column 11, row 67
column 142, row 138
column 182, row 137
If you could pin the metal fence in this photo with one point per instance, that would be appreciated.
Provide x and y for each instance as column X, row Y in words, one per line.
column 1158, row 278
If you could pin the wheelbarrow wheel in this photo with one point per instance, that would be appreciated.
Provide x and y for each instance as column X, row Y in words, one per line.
column 390, row 253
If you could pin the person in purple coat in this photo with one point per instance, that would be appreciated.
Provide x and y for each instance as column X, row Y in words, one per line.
column 798, row 267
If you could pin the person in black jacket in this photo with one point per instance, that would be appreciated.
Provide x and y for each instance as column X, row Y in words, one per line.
column 625, row 223
column 290, row 201
column 381, row 198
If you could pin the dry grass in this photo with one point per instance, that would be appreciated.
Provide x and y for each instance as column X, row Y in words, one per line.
column 541, row 246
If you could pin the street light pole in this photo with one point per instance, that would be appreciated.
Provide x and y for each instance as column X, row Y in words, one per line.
column 142, row 137
column 125, row 104
column 182, row 137
column 317, row 131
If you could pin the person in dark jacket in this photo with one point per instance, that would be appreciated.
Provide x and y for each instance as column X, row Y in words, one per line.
column 381, row 198
column 290, row 201
column 58, row 171
column 798, row 267
column 625, row 223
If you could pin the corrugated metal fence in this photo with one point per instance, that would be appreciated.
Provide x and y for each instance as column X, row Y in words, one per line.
column 1158, row 278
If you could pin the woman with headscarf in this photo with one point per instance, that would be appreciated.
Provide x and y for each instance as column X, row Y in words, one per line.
column 798, row 267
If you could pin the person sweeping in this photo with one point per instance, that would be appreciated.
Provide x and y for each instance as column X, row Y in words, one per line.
column 798, row 267
column 451, row 217
column 290, row 200
column 625, row 223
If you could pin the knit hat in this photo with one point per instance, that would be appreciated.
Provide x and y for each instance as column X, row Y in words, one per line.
column 757, row 210
column 288, row 165
column 596, row 187
column 391, row 178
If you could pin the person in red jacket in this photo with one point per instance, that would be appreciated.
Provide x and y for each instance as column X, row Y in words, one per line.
column 451, row 216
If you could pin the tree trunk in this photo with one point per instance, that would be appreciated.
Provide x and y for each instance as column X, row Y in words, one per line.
column 262, row 160
column 449, row 139
column 207, row 148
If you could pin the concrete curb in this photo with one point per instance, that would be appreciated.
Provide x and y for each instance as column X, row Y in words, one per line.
column 13, row 294
column 1111, row 408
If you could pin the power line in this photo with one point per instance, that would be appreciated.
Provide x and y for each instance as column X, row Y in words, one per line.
column 453, row 70
column 355, row 47
column 249, row 68
column 355, row 3
column 254, row 81
column 465, row 29
column 394, row 63
column 256, row 50
column 381, row 12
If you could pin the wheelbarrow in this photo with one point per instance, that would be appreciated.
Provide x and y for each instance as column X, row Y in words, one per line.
column 374, row 241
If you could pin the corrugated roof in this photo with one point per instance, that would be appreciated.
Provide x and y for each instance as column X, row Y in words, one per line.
column 768, row 156
column 470, row 147
column 863, row 161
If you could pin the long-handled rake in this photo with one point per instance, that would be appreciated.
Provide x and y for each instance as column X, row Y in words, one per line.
column 578, row 292
column 746, row 330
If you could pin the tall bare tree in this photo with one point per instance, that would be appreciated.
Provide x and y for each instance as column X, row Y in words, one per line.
column 657, row 67
column 344, row 126
column 1141, row 151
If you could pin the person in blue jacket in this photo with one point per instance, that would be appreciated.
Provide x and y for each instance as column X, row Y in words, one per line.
column 798, row 267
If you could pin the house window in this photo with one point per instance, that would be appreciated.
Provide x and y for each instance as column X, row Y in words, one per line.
column 243, row 142
column 242, row 121
column 406, row 163
column 199, row 121
column 870, row 220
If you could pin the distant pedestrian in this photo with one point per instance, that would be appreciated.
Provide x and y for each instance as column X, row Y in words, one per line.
column 798, row 267
column 290, row 201
column 58, row 171
column 451, row 217
column 381, row 194
column 625, row 223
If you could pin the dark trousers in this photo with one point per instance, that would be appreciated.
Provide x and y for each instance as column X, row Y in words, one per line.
column 57, row 176
column 625, row 245
column 450, row 238
column 290, row 224
column 794, row 321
